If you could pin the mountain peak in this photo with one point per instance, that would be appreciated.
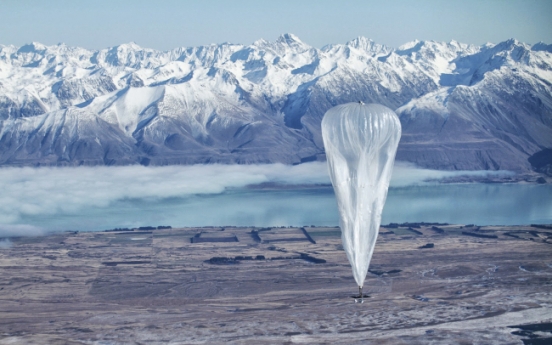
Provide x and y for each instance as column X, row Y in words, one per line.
column 541, row 46
column 260, row 42
column 510, row 45
column 289, row 39
column 368, row 45
column 128, row 46
column 360, row 42
column 32, row 48
column 410, row 45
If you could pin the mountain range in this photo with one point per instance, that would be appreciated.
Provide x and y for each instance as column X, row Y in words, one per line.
column 462, row 107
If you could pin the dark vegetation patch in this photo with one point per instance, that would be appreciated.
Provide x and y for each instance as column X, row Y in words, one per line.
column 118, row 229
column 147, row 228
column 285, row 258
column 415, row 231
column 542, row 226
column 534, row 233
column 437, row 229
column 383, row 273
column 473, row 234
column 302, row 256
column 219, row 260
column 411, row 225
column 291, row 239
column 312, row 259
column 115, row 263
column 79, row 329
column 160, row 227
column 289, row 334
column 235, row 260
column 530, row 235
column 308, row 236
column 199, row 239
column 334, row 233
column 255, row 234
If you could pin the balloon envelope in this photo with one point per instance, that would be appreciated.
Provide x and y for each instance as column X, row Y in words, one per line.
column 360, row 142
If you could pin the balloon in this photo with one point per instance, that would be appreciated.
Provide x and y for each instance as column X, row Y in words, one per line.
column 360, row 141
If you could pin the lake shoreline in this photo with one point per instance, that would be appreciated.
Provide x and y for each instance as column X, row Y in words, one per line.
column 385, row 229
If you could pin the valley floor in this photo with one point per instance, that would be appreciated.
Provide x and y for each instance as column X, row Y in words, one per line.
column 277, row 285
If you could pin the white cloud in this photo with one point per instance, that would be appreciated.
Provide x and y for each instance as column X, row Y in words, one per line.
column 16, row 230
column 407, row 174
column 67, row 190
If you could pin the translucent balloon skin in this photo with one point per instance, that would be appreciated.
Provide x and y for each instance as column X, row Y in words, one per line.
column 361, row 142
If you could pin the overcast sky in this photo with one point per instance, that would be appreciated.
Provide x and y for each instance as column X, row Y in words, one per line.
column 167, row 24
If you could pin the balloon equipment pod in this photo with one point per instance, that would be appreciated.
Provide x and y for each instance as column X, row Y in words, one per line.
column 359, row 299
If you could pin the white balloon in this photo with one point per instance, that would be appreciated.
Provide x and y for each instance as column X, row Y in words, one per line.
column 361, row 142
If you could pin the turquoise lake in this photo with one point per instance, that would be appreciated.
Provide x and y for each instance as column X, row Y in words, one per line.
column 480, row 204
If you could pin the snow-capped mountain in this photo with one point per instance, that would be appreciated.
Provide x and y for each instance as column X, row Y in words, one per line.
column 461, row 106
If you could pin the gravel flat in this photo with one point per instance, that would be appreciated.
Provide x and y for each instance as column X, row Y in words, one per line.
column 276, row 286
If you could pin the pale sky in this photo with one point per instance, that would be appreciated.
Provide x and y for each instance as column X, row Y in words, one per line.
column 167, row 24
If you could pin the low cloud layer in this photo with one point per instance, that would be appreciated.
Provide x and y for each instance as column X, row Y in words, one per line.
column 16, row 230
column 39, row 192
column 50, row 191
column 407, row 174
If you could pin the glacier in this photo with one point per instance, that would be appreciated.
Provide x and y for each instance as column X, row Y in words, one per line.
column 461, row 107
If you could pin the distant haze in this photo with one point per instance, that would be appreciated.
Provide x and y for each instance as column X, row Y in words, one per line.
column 168, row 24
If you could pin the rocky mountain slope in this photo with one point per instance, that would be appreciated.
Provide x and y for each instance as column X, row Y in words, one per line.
column 461, row 106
